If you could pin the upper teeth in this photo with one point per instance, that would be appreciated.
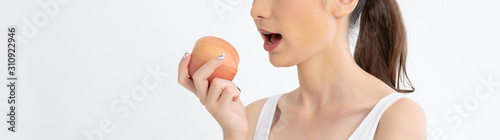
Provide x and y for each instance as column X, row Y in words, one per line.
column 266, row 33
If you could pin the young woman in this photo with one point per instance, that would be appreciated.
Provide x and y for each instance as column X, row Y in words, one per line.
column 340, row 96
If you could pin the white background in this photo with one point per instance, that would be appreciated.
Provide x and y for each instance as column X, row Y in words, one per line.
column 87, row 54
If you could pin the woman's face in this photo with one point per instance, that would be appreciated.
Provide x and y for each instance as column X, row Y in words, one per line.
column 300, row 29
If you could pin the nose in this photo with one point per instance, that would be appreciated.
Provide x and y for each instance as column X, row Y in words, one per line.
column 260, row 9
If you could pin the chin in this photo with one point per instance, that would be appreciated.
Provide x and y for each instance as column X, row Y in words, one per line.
column 281, row 61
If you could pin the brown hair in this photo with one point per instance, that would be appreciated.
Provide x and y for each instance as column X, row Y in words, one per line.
column 381, row 45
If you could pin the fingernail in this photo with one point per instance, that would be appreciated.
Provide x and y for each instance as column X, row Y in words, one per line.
column 185, row 54
column 221, row 56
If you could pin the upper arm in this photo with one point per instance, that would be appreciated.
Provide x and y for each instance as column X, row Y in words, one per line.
column 253, row 112
column 404, row 119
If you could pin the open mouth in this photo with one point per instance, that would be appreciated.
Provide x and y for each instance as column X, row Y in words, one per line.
column 271, row 38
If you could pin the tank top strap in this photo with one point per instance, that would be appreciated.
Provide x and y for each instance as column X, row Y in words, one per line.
column 366, row 130
column 266, row 117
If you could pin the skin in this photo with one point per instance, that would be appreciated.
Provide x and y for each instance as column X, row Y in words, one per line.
column 334, row 95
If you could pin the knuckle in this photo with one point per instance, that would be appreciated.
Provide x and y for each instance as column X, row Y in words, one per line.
column 197, row 76
column 228, row 94
column 216, row 82
column 236, row 92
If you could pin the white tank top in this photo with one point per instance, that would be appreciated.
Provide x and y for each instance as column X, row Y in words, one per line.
column 365, row 130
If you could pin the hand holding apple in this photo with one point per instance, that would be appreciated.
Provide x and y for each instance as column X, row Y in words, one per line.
column 209, row 47
column 211, row 82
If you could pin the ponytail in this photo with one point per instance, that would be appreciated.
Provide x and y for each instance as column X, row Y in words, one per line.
column 381, row 45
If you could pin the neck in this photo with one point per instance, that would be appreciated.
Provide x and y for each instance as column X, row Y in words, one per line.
column 329, row 75
column 332, row 77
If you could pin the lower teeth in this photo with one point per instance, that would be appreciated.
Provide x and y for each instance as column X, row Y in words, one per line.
column 269, row 42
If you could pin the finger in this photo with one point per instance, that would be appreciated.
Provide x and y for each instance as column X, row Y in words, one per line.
column 182, row 75
column 200, row 76
column 216, row 88
column 229, row 95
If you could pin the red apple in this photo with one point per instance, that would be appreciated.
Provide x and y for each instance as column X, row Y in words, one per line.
column 210, row 47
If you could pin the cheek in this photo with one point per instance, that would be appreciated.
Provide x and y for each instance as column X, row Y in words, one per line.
column 305, row 33
column 312, row 30
column 304, row 23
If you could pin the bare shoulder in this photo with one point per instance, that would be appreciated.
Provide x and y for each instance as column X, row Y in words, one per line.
column 252, row 112
column 406, row 117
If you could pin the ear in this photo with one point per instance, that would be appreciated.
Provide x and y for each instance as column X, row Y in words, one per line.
column 341, row 8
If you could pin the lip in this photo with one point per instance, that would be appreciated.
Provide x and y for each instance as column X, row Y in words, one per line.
column 262, row 30
column 268, row 47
